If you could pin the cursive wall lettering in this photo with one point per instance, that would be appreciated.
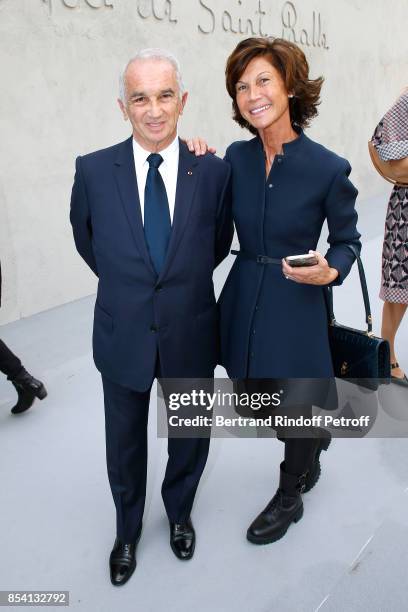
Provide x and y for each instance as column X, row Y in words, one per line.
column 74, row 4
column 211, row 16
column 229, row 22
column 160, row 10
column 244, row 19
column 312, row 37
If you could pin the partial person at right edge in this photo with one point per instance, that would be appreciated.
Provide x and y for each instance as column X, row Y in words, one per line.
column 389, row 153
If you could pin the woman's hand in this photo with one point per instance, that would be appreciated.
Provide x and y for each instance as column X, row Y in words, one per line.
column 198, row 146
column 319, row 274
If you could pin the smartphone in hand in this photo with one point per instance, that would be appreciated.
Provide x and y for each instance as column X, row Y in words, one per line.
column 297, row 261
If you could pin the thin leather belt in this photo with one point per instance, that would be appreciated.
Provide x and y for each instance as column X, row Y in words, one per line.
column 261, row 259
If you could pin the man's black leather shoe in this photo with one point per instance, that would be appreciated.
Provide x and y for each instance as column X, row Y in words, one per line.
column 28, row 388
column 182, row 539
column 313, row 474
column 285, row 508
column 122, row 562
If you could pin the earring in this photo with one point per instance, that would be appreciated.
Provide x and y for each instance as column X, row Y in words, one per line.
column 290, row 95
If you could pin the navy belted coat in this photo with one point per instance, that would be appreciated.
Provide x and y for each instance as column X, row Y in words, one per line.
column 272, row 327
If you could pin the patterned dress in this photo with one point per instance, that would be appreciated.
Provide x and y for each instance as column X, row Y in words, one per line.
column 391, row 141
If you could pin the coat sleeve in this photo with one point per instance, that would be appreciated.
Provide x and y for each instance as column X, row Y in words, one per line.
column 80, row 218
column 341, row 217
column 225, row 226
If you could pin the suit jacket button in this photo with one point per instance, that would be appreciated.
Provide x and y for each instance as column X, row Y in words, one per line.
column 158, row 288
column 153, row 328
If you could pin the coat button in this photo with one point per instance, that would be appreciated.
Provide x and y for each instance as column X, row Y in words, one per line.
column 270, row 185
column 153, row 328
column 158, row 288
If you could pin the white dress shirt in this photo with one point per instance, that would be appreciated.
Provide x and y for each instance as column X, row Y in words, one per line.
column 168, row 170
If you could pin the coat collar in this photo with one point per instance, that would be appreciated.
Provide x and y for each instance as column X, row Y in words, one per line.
column 289, row 148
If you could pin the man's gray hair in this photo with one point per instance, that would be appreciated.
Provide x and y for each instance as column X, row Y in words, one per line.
column 155, row 53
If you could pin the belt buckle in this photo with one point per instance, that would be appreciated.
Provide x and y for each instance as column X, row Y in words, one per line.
column 262, row 259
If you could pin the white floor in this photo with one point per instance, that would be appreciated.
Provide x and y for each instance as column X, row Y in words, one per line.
column 57, row 518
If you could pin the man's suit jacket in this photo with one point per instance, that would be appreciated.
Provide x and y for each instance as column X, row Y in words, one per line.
column 137, row 314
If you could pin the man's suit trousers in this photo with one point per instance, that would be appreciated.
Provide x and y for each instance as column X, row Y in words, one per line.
column 126, row 417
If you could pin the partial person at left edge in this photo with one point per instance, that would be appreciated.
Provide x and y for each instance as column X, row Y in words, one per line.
column 152, row 221
column 28, row 388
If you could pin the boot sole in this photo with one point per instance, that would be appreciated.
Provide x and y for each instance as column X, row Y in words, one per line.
column 41, row 393
column 312, row 480
column 259, row 540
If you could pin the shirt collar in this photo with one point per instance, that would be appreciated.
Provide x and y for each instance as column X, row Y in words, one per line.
column 142, row 154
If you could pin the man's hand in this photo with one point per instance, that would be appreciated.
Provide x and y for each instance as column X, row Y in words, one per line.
column 319, row 274
column 198, row 146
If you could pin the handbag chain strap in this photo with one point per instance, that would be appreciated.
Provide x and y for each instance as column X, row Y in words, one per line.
column 364, row 290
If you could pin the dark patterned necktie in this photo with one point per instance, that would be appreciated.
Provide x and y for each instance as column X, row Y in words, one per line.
column 157, row 222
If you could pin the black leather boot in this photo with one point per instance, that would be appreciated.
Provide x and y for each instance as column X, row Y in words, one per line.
column 322, row 444
column 28, row 388
column 285, row 508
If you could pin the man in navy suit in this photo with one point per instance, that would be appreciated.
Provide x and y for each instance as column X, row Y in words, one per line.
column 152, row 221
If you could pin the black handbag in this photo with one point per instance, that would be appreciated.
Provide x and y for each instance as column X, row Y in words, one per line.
column 356, row 354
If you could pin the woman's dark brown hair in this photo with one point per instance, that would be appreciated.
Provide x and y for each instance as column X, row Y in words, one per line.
column 290, row 61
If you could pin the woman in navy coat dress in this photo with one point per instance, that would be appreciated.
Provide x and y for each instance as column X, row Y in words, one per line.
column 273, row 317
column 284, row 187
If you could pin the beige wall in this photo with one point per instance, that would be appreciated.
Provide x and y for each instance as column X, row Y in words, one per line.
column 60, row 60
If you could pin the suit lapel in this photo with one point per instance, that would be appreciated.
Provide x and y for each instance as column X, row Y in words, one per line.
column 127, row 184
column 187, row 179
